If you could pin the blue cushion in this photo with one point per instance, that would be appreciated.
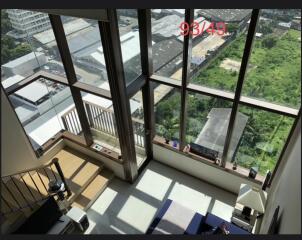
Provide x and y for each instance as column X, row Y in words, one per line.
column 195, row 226
column 159, row 216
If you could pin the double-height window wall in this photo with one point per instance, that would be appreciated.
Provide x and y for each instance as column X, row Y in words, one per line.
column 118, row 81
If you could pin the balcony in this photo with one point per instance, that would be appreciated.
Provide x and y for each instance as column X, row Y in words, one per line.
column 103, row 127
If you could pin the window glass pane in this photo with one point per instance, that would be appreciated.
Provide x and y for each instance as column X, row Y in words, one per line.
column 130, row 45
column 263, row 137
column 100, row 114
column 275, row 73
column 207, row 121
column 167, row 111
column 137, row 115
column 27, row 46
column 41, row 107
column 218, row 44
column 84, row 41
column 167, row 42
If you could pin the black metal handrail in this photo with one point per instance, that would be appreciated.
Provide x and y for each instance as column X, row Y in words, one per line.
column 21, row 190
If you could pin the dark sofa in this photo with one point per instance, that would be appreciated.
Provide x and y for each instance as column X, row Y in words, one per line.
column 199, row 224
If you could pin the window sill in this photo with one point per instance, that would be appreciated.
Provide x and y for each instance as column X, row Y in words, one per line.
column 105, row 152
column 240, row 171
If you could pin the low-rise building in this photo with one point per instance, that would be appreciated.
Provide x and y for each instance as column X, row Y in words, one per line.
column 25, row 65
column 284, row 25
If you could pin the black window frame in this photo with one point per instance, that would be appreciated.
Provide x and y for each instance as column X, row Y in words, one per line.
column 120, row 93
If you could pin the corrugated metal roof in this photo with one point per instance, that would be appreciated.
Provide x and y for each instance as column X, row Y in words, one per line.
column 214, row 131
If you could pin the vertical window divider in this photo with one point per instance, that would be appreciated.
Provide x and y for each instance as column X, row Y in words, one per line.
column 145, row 33
column 187, row 53
column 113, row 58
column 242, row 71
column 61, row 40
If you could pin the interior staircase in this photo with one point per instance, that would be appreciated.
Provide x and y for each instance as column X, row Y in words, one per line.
column 22, row 193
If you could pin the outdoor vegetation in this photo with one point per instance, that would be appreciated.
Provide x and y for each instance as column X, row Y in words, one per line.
column 263, row 139
column 274, row 75
column 274, row 72
column 10, row 49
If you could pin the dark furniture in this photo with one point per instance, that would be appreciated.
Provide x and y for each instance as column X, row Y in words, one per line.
column 203, row 151
column 42, row 220
column 199, row 224
column 213, row 221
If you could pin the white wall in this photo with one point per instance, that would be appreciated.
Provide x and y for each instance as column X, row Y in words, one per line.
column 16, row 151
column 200, row 170
column 286, row 190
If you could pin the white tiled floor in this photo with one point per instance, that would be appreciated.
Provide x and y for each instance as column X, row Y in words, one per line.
column 125, row 208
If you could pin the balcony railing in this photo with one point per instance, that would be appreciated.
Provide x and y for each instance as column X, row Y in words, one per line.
column 103, row 120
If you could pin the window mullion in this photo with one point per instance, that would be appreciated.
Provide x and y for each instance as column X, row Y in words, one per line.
column 187, row 52
column 145, row 33
column 113, row 57
column 61, row 40
column 242, row 71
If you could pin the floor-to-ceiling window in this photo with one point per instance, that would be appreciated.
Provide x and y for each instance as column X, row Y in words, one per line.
column 264, row 92
column 228, row 80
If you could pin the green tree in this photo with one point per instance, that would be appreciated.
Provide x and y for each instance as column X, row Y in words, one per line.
column 21, row 50
column 5, row 23
column 11, row 51
column 265, row 28
column 269, row 42
column 7, row 41
column 231, row 27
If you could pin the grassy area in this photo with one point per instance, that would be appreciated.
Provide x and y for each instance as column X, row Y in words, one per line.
column 265, row 128
column 217, row 77
column 276, row 76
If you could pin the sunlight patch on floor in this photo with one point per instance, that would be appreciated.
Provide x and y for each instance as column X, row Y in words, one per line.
column 154, row 184
column 137, row 213
column 190, row 198
column 222, row 210
column 103, row 202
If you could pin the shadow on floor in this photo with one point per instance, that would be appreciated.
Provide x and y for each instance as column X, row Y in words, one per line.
column 125, row 208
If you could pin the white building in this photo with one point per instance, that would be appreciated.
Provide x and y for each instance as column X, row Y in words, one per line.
column 26, row 23
column 284, row 25
column 40, row 96
column 24, row 65
column 6, row 83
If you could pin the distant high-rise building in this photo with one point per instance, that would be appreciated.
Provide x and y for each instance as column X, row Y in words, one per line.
column 26, row 23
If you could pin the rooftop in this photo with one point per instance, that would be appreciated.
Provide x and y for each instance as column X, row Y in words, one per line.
column 129, row 44
column 214, row 132
column 164, row 51
column 225, row 15
column 21, row 60
column 33, row 92
column 167, row 26
column 69, row 27
column 11, row 80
